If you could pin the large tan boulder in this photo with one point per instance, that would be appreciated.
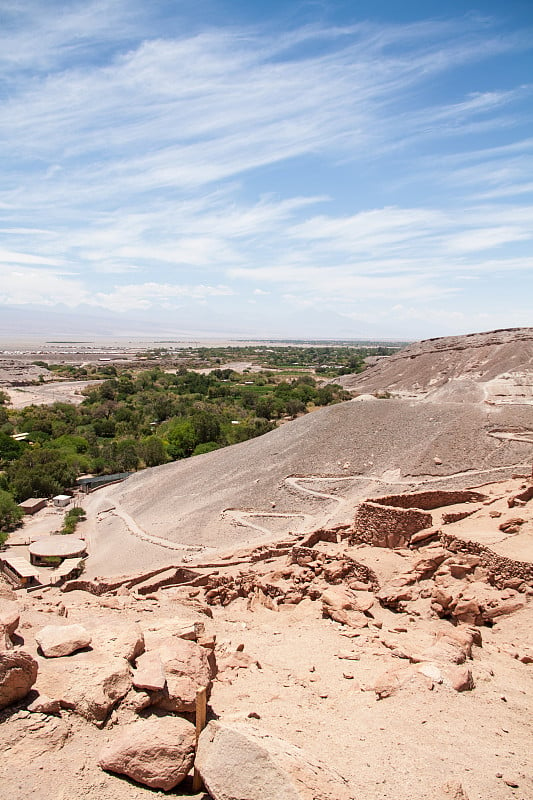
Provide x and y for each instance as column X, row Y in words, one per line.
column 187, row 669
column 90, row 684
column 240, row 762
column 9, row 617
column 157, row 752
column 18, row 673
column 125, row 641
column 62, row 640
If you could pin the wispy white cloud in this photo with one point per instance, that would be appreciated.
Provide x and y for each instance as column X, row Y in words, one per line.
column 144, row 168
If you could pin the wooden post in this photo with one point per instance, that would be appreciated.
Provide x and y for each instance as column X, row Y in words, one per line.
column 201, row 712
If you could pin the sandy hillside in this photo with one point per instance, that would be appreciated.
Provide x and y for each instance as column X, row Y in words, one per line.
column 494, row 367
column 302, row 475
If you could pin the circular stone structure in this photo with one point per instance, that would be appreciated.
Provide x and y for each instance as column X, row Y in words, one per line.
column 54, row 549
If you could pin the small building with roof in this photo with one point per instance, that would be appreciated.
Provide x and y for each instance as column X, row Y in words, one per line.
column 19, row 572
column 61, row 500
column 33, row 504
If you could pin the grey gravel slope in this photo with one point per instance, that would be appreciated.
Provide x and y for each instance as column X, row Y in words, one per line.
column 381, row 444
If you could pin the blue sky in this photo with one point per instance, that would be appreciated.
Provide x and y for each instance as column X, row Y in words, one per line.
column 281, row 169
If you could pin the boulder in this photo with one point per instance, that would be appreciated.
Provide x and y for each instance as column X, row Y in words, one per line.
column 451, row 646
column 9, row 617
column 187, row 669
column 240, row 761
column 459, row 678
column 160, row 631
column 512, row 525
column 62, row 640
column 346, row 606
column 125, row 641
column 157, row 752
column 90, row 685
column 18, row 673
column 149, row 673
column 44, row 705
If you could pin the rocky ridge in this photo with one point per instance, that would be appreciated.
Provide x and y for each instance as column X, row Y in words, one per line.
column 494, row 367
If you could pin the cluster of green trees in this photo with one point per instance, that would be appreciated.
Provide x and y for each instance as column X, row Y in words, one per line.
column 134, row 420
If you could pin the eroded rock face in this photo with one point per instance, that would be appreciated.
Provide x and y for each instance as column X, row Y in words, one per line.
column 18, row 673
column 240, row 761
column 157, row 752
column 62, row 640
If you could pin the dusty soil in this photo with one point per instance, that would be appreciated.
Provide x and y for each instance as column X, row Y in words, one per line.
column 267, row 529
column 311, row 680
column 47, row 393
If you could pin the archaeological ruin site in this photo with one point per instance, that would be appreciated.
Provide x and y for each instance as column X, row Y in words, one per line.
column 340, row 609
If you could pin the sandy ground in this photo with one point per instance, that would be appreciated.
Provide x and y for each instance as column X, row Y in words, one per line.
column 48, row 393
column 310, row 686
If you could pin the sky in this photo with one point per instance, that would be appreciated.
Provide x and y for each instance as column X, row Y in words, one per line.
column 279, row 169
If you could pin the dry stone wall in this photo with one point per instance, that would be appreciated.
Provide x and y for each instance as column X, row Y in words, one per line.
column 430, row 500
column 502, row 569
column 386, row 526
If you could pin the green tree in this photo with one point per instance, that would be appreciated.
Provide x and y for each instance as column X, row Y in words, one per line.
column 10, row 514
column 152, row 451
column 9, row 447
column 181, row 439
column 41, row 472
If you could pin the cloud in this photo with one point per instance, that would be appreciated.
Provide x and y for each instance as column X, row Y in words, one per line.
column 146, row 165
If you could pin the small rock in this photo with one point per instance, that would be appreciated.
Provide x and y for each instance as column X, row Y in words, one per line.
column 45, row 705
column 62, row 640
column 512, row 525
column 460, row 678
column 511, row 781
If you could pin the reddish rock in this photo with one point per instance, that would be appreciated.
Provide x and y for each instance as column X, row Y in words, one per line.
column 460, row 678
column 157, row 752
column 512, row 525
column 45, row 705
column 149, row 673
column 240, row 761
column 62, row 640
column 187, row 669
column 90, row 685
column 125, row 641
column 9, row 617
column 18, row 673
